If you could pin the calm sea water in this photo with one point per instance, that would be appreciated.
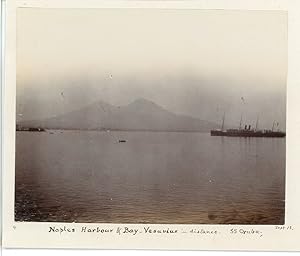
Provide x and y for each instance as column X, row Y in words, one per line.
column 155, row 177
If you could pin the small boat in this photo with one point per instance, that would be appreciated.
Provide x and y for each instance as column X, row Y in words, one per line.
column 122, row 141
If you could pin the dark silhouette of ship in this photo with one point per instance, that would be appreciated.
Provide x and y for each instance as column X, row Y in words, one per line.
column 29, row 129
column 247, row 131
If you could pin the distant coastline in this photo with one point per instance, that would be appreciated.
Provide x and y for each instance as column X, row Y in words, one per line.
column 31, row 129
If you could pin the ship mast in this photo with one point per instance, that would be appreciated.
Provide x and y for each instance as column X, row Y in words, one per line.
column 223, row 120
column 240, row 127
column 256, row 126
column 273, row 126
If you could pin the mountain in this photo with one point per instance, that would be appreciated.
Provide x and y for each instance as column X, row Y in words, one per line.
column 141, row 114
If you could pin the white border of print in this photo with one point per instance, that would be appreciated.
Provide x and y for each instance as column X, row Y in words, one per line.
column 269, row 238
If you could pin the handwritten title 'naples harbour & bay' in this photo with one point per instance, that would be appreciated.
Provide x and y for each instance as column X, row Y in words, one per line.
column 132, row 231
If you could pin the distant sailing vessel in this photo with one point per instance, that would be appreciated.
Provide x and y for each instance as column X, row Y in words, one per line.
column 246, row 131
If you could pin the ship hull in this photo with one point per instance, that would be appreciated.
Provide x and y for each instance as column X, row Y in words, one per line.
column 268, row 134
column 217, row 133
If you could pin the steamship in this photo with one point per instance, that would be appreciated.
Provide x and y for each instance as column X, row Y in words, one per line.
column 247, row 131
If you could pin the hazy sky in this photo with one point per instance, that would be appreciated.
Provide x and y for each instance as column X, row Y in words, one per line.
column 194, row 62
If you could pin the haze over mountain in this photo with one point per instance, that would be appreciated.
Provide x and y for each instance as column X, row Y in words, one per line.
column 141, row 114
column 171, row 57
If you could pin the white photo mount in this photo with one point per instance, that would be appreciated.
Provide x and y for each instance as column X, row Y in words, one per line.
column 154, row 236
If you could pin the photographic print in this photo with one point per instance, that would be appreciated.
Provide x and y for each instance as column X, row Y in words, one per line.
column 163, row 116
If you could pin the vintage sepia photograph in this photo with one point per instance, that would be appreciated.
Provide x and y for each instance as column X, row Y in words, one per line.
column 163, row 116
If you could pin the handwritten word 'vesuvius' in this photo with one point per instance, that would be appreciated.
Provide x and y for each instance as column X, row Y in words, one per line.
column 160, row 231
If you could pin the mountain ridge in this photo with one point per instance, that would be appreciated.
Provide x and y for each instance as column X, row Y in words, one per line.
column 141, row 114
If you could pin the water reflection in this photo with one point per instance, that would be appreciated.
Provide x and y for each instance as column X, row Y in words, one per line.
column 152, row 178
